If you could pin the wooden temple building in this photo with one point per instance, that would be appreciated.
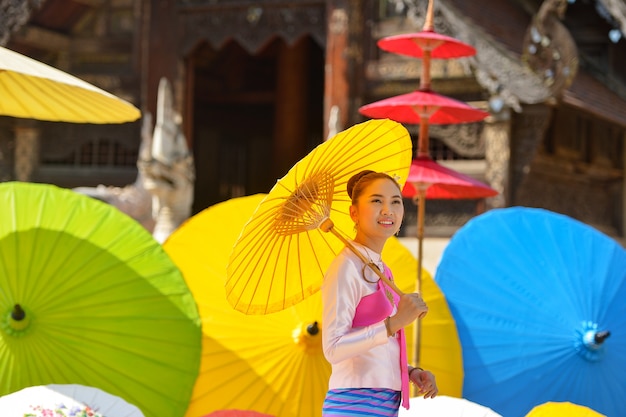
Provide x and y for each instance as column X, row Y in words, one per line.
column 260, row 83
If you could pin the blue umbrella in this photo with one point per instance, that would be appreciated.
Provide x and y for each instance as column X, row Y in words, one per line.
column 540, row 305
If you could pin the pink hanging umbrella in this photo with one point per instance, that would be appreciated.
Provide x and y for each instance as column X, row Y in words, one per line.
column 423, row 107
column 418, row 44
column 429, row 180
column 426, row 44
column 443, row 183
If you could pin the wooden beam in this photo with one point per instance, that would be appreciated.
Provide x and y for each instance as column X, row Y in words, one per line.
column 41, row 38
column 90, row 3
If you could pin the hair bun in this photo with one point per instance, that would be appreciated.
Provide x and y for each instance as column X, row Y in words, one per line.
column 355, row 179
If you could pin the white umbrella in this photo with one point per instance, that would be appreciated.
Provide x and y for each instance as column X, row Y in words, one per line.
column 65, row 399
column 442, row 405
column 33, row 90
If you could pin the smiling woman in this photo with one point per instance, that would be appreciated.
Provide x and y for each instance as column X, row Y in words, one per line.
column 363, row 336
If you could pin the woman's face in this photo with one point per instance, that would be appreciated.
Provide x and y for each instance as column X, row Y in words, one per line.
column 379, row 209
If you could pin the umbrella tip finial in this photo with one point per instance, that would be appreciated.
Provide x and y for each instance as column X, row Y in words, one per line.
column 601, row 336
column 313, row 328
column 18, row 313
column 306, row 336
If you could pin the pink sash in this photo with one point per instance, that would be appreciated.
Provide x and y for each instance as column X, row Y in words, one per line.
column 374, row 308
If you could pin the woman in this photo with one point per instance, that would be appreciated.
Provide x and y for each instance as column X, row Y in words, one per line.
column 363, row 336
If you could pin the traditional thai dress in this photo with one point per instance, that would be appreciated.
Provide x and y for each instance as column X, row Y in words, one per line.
column 369, row 368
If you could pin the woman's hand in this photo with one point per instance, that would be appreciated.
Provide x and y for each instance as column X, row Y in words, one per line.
column 410, row 308
column 425, row 382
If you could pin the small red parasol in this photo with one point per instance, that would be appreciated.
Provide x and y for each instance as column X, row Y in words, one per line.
column 426, row 44
column 423, row 107
column 418, row 44
column 443, row 183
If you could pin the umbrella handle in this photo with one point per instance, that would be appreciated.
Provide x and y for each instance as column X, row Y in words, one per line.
column 328, row 226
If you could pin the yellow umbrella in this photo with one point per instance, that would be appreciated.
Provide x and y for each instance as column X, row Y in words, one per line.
column 558, row 409
column 33, row 90
column 284, row 250
column 271, row 363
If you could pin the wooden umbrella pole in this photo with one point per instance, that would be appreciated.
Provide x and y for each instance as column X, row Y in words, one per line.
column 417, row 325
column 421, row 213
column 426, row 52
column 430, row 12
column 422, row 140
column 425, row 79
column 328, row 226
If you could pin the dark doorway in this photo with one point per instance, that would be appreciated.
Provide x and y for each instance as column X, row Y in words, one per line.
column 254, row 115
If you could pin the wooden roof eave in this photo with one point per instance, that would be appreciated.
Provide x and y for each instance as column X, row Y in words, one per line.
column 498, row 69
column 617, row 9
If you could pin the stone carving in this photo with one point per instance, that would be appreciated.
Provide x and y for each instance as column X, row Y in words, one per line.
column 549, row 49
column 168, row 171
column 161, row 196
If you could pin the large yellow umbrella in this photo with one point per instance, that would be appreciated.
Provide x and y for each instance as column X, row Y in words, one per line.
column 273, row 363
column 285, row 248
column 558, row 409
column 33, row 90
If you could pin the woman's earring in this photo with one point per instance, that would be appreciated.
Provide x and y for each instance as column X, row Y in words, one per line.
column 356, row 225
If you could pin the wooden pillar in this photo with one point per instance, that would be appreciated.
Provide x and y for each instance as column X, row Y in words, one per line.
column 622, row 232
column 497, row 134
column 7, row 153
column 27, row 150
column 160, row 48
column 336, row 83
column 292, row 97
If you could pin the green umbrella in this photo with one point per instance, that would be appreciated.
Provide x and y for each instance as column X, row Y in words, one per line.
column 87, row 296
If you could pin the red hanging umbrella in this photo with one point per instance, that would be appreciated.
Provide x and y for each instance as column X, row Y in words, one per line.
column 423, row 106
column 443, row 183
column 426, row 42
column 429, row 180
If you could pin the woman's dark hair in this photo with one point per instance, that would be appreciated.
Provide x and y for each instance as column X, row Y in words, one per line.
column 358, row 182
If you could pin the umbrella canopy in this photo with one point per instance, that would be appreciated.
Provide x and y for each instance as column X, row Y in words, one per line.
column 443, row 183
column 286, row 375
column 555, row 409
column 444, row 405
column 33, row 90
column 237, row 413
column 89, row 297
column 57, row 400
column 421, row 107
column 535, row 296
column 427, row 41
column 284, row 250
